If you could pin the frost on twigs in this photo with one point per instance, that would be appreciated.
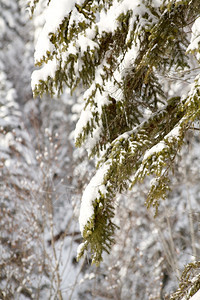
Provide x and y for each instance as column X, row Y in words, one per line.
column 122, row 54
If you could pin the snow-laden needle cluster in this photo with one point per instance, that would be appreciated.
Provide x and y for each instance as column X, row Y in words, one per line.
column 122, row 53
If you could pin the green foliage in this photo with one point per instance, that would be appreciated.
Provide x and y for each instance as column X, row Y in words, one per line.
column 100, row 237
column 189, row 282
column 136, row 129
column 32, row 4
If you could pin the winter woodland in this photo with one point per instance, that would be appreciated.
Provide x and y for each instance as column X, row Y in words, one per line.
column 100, row 149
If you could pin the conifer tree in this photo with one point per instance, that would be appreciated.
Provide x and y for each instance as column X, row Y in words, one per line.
column 122, row 53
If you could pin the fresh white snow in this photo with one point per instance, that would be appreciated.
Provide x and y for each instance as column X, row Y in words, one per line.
column 90, row 194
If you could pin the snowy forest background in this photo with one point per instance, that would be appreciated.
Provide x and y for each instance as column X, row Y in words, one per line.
column 42, row 177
